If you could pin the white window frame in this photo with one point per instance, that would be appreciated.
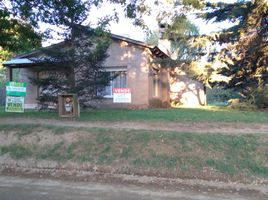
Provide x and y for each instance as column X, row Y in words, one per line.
column 114, row 69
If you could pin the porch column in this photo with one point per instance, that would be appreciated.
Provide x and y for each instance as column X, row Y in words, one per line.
column 9, row 74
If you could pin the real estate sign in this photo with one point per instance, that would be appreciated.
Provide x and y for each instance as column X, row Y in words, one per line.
column 17, row 89
column 14, row 104
column 121, row 95
column 15, row 93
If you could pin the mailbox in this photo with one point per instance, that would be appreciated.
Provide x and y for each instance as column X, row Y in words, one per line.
column 68, row 105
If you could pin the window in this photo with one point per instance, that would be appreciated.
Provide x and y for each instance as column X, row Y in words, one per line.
column 155, row 85
column 119, row 81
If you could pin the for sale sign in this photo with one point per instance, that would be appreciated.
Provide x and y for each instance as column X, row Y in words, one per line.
column 17, row 89
column 14, row 104
column 15, row 93
column 121, row 95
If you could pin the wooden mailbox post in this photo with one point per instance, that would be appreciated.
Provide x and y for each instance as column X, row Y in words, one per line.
column 68, row 105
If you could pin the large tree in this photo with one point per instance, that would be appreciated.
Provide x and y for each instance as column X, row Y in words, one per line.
column 16, row 35
column 77, row 65
column 246, row 53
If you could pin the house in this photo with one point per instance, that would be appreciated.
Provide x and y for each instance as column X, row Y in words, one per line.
column 132, row 60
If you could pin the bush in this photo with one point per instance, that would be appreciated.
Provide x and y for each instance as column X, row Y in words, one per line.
column 220, row 96
column 242, row 105
column 157, row 103
column 259, row 97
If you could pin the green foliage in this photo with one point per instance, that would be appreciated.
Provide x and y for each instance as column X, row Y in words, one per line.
column 16, row 151
column 179, row 32
column 179, row 28
column 198, row 4
column 220, row 96
column 53, row 12
column 246, row 55
column 152, row 38
column 53, row 152
column 259, row 96
column 16, row 36
column 74, row 67
column 242, row 104
column 82, row 74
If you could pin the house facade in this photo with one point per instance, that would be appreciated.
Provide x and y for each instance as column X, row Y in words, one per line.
column 131, row 60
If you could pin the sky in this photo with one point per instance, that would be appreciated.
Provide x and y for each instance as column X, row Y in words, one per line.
column 126, row 28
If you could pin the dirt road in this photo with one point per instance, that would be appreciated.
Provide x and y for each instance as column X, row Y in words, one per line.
column 16, row 188
column 195, row 127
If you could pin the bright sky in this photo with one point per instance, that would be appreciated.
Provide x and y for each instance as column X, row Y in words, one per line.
column 125, row 27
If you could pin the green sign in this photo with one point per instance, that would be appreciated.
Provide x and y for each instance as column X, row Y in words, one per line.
column 17, row 89
column 14, row 104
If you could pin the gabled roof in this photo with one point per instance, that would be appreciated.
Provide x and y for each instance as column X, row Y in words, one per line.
column 27, row 58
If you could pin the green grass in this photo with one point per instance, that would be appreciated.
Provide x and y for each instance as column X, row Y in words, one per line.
column 180, row 115
column 26, row 129
column 16, row 151
column 164, row 152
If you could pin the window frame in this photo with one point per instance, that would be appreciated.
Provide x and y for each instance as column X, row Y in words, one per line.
column 156, row 85
column 114, row 69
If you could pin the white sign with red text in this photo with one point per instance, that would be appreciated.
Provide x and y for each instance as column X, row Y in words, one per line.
column 122, row 95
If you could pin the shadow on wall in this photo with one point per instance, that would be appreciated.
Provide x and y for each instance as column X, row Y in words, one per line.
column 185, row 91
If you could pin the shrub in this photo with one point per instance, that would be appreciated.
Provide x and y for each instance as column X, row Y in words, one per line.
column 259, row 96
column 221, row 96
column 157, row 103
column 242, row 105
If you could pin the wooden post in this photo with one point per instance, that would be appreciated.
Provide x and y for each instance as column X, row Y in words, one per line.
column 9, row 74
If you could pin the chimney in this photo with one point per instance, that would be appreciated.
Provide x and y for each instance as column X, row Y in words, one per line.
column 164, row 44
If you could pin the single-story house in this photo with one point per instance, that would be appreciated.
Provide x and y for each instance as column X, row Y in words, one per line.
column 148, row 82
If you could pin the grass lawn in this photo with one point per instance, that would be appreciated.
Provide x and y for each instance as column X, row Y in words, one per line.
column 181, row 114
column 158, row 153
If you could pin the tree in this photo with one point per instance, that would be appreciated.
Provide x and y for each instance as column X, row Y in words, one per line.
column 77, row 65
column 16, row 35
column 180, row 32
column 246, row 54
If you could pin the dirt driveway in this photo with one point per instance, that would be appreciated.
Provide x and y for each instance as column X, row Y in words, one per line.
column 194, row 127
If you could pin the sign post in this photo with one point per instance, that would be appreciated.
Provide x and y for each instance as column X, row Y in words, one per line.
column 15, row 93
column 121, row 95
